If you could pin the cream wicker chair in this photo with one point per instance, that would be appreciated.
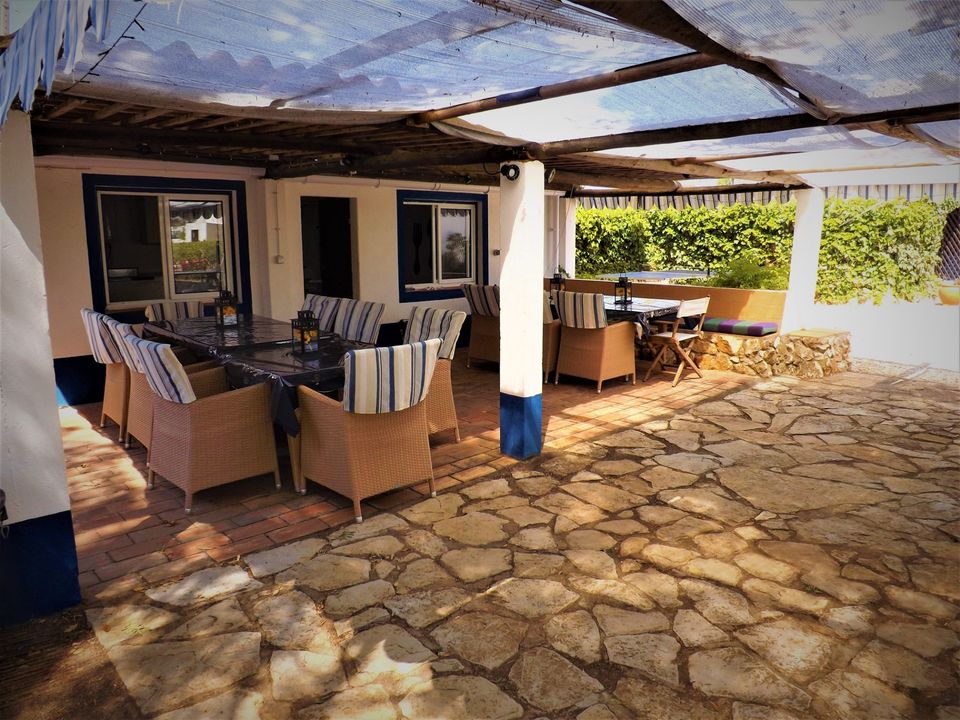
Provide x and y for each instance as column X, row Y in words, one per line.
column 204, row 434
column 140, row 400
column 173, row 310
column 484, row 302
column 358, row 320
column 426, row 323
column 376, row 440
column 116, row 386
column 589, row 348
column 677, row 337
column 324, row 309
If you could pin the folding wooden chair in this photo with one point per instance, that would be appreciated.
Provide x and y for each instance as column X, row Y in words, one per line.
column 677, row 337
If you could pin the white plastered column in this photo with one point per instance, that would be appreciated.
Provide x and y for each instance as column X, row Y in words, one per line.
column 567, row 255
column 804, row 259
column 521, row 310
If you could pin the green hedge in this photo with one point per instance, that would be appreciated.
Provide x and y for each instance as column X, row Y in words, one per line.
column 869, row 248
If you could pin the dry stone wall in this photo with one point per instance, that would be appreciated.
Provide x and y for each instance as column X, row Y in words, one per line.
column 804, row 354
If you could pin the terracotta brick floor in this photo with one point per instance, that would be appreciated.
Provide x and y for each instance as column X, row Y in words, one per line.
column 128, row 535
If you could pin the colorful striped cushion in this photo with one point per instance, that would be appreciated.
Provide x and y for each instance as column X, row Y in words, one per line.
column 388, row 379
column 165, row 374
column 324, row 309
column 739, row 327
column 102, row 344
column 119, row 331
column 483, row 299
column 426, row 323
column 581, row 310
column 173, row 310
column 358, row 320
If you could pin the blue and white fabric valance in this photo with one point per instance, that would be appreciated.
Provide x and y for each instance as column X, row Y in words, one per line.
column 581, row 310
column 324, row 308
column 426, row 323
column 358, row 320
column 164, row 373
column 483, row 299
column 31, row 59
column 388, row 379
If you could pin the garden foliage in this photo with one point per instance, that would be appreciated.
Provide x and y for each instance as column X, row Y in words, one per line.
column 869, row 248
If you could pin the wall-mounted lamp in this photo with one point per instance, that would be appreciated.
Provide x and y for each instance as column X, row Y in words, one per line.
column 510, row 172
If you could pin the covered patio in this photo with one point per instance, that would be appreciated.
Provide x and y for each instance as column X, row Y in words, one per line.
column 732, row 547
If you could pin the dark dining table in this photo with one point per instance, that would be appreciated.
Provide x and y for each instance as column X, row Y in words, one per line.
column 639, row 310
column 260, row 350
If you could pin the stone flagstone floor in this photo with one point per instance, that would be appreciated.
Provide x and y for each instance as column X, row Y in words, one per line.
column 786, row 552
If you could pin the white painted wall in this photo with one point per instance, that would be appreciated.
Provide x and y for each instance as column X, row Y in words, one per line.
column 376, row 274
column 804, row 259
column 31, row 453
column 63, row 230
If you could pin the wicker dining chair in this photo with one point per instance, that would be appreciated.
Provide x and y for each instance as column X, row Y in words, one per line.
column 173, row 310
column 358, row 320
column 589, row 347
column 551, row 338
column 426, row 323
column 140, row 400
column 117, row 383
column 376, row 440
column 677, row 337
column 324, row 309
column 204, row 435
column 484, row 302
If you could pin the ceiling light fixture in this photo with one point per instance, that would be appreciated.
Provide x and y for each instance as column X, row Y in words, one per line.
column 510, row 172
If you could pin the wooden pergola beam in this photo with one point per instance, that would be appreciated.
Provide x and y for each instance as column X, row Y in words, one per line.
column 733, row 128
column 110, row 111
column 692, row 169
column 66, row 107
column 623, row 76
column 74, row 131
column 575, row 179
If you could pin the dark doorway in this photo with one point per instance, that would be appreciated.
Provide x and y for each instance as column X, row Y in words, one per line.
column 327, row 257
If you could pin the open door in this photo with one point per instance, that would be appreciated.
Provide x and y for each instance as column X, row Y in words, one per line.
column 327, row 246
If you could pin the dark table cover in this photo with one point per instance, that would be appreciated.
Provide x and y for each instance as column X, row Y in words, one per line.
column 259, row 350
column 639, row 310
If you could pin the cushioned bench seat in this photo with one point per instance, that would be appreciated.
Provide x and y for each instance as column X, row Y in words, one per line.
column 739, row 327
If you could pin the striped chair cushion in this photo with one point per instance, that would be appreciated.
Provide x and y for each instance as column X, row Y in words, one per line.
column 119, row 331
column 173, row 310
column 739, row 327
column 358, row 320
column 165, row 374
column 483, row 299
column 324, row 309
column 388, row 379
column 426, row 323
column 102, row 344
column 581, row 310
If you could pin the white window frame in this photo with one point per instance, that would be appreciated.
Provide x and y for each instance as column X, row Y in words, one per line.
column 436, row 240
column 166, row 245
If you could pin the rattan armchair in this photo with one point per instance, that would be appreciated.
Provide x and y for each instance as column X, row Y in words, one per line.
column 376, row 440
column 173, row 310
column 426, row 323
column 204, row 435
column 676, row 337
column 116, row 386
column 589, row 348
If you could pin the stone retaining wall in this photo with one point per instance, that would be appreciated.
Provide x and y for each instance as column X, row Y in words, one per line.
column 805, row 353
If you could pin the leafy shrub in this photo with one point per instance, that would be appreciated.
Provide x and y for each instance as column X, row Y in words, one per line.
column 869, row 248
column 748, row 271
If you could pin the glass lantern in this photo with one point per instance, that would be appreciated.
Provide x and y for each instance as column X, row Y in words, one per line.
column 556, row 282
column 305, row 332
column 226, row 309
column 624, row 291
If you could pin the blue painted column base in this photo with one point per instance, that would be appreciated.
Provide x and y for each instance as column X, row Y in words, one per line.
column 38, row 568
column 521, row 425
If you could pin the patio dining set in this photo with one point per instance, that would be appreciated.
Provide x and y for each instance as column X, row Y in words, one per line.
column 203, row 396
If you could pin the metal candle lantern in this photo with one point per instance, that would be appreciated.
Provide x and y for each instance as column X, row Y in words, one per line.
column 556, row 282
column 624, row 290
column 226, row 309
column 305, row 332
